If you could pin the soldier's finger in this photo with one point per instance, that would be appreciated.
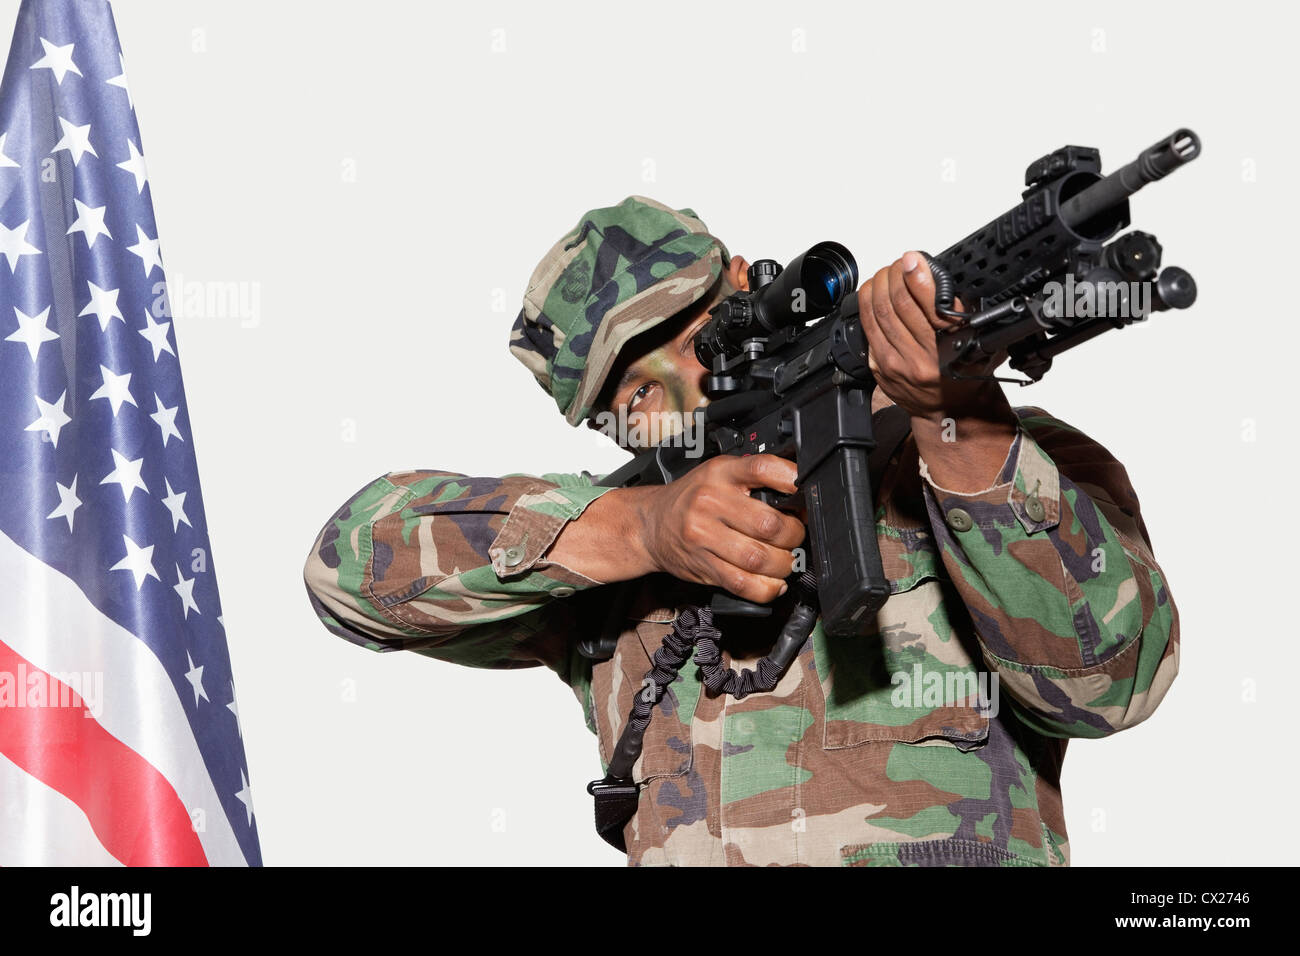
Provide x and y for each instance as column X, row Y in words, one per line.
column 891, row 324
column 907, row 295
column 764, row 471
column 759, row 588
column 751, row 555
column 755, row 519
column 879, row 351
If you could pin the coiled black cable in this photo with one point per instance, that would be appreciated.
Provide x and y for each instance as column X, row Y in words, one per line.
column 945, row 296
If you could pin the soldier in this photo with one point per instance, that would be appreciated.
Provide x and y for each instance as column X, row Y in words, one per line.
column 1025, row 604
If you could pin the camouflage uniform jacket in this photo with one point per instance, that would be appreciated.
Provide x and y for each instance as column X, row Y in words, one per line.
column 873, row 751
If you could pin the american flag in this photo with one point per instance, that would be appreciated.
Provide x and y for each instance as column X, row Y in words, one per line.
column 120, row 740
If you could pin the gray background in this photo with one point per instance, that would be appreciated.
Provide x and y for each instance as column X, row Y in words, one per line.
column 383, row 177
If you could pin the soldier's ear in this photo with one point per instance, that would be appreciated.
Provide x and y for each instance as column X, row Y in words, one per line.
column 737, row 273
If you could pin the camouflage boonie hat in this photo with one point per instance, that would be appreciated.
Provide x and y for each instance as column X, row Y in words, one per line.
column 622, row 270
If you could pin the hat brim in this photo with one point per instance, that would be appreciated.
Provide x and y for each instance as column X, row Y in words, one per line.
column 638, row 314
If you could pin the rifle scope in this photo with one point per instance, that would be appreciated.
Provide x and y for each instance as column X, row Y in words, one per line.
column 810, row 287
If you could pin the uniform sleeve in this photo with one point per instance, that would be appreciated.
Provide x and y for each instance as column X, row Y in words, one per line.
column 454, row 568
column 1055, row 566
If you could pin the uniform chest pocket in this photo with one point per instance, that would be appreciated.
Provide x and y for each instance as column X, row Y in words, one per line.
column 916, row 678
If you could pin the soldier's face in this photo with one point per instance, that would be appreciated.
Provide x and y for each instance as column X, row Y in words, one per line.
column 658, row 375
column 658, row 378
column 661, row 374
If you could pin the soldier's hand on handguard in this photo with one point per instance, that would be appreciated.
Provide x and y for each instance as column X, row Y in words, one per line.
column 898, row 315
column 704, row 527
column 963, row 428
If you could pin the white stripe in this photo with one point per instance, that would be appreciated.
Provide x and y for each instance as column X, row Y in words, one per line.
column 45, row 618
column 41, row 827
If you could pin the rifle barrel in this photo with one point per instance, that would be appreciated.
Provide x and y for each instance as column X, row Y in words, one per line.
column 1153, row 163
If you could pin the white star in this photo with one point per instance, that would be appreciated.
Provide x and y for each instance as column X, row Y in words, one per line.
column 5, row 161
column 58, row 59
column 185, row 588
column 14, row 244
column 76, row 140
column 139, row 561
column 135, row 166
column 235, row 710
column 103, row 306
column 127, row 474
column 68, row 502
column 156, row 333
column 246, row 796
column 120, row 80
column 165, row 418
column 195, row 676
column 32, row 331
column 147, row 250
column 175, row 503
column 52, row 419
column 90, row 220
column 115, row 389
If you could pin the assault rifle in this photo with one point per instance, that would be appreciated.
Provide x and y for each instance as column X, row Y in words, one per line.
column 790, row 377
column 788, row 357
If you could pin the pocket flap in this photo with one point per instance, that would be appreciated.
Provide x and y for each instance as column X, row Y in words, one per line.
column 914, row 680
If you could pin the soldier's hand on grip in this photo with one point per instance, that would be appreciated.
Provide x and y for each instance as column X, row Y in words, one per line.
column 705, row 526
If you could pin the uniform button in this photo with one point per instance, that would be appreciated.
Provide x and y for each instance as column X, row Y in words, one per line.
column 512, row 556
column 562, row 591
column 959, row 520
column 1034, row 508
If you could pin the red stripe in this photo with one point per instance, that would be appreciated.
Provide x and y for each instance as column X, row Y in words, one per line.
column 133, row 810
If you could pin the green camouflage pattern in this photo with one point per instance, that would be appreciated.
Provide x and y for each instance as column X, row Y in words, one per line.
column 1052, row 587
column 620, row 271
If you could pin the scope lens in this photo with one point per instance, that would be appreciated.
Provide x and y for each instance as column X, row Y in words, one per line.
column 827, row 267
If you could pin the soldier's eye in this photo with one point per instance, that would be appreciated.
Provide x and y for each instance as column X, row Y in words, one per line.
column 640, row 395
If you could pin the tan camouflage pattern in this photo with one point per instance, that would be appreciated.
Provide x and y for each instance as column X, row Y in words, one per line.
column 836, row 766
